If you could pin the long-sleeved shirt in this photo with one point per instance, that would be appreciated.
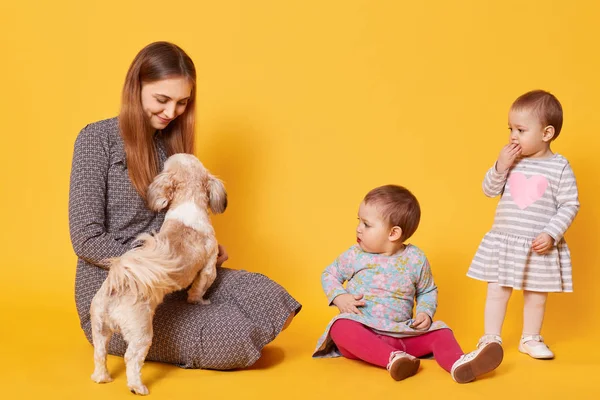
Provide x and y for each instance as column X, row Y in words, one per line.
column 538, row 195
column 390, row 286
column 105, row 211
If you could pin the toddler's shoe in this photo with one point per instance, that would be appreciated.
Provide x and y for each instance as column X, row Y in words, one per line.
column 402, row 365
column 489, row 338
column 539, row 351
column 486, row 358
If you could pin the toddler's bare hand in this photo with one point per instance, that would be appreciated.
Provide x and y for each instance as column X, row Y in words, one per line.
column 507, row 157
column 542, row 243
column 422, row 322
column 349, row 303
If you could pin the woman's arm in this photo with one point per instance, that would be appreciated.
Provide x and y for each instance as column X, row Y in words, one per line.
column 87, row 198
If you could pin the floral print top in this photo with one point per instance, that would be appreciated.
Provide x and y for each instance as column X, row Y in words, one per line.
column 390, row 285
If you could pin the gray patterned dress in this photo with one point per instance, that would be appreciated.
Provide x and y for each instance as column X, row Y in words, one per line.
column 248, row 310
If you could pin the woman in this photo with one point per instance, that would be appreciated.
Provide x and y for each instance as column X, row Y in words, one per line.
column 114, row 161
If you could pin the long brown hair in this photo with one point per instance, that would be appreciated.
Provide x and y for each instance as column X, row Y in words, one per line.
column 157, row 61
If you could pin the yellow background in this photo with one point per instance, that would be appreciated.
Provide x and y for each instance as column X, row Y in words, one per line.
column 303, row 107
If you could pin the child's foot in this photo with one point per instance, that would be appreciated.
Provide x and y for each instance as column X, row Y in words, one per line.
column 489, row 338
column 402, row 365
column 534, row 346
column 486, row 358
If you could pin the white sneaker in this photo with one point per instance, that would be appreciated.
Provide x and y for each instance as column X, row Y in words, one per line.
column 540, row 351
column 486, row 358
column 402, row 365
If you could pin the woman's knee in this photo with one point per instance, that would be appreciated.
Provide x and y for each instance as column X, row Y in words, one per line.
column 236, row 347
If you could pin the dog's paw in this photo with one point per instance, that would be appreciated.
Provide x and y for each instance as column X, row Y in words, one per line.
column 101, row 377
column 197, row 300
column 139, row 389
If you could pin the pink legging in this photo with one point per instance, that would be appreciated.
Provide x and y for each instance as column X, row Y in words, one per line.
column 355, row 341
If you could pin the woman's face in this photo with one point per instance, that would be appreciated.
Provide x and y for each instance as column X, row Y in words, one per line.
column 165, row 100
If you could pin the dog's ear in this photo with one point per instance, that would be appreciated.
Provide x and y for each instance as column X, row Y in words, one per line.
column 160, row 191
column 217, row 196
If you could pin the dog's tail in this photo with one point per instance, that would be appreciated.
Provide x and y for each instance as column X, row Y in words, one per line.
column 145, row 271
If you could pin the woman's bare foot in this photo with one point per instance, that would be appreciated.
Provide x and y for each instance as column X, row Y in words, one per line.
column 289, row 320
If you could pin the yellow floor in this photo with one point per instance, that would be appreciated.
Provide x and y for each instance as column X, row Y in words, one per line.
column 45, row 356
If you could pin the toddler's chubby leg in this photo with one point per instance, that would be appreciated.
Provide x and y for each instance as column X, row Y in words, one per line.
column 489, row 353
column 533, row 316
column 448, row 354
column 441, row 343
column 495, row 308
column 356, row 341
column 534, row 309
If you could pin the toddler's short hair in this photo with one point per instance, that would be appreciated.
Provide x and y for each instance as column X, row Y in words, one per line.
column 545, row 105
column 398, row 206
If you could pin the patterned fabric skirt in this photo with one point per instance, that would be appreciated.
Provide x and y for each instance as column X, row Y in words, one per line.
column 509, row 260
column 247, row 311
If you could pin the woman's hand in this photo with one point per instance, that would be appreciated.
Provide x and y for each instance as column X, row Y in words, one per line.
column 349, row 303
column 222, row 256
column 422, row 322
column 542, row 243
column 507, row 157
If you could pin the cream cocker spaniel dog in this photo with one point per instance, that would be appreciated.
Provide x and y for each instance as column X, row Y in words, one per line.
column 183, row 252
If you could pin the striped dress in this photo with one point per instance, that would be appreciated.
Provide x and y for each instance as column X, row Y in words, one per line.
column 537, row 195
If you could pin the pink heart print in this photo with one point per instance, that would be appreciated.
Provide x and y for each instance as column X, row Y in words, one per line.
column 525, row 191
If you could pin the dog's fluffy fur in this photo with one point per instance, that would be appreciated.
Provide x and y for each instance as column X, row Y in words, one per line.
column 184, row 252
